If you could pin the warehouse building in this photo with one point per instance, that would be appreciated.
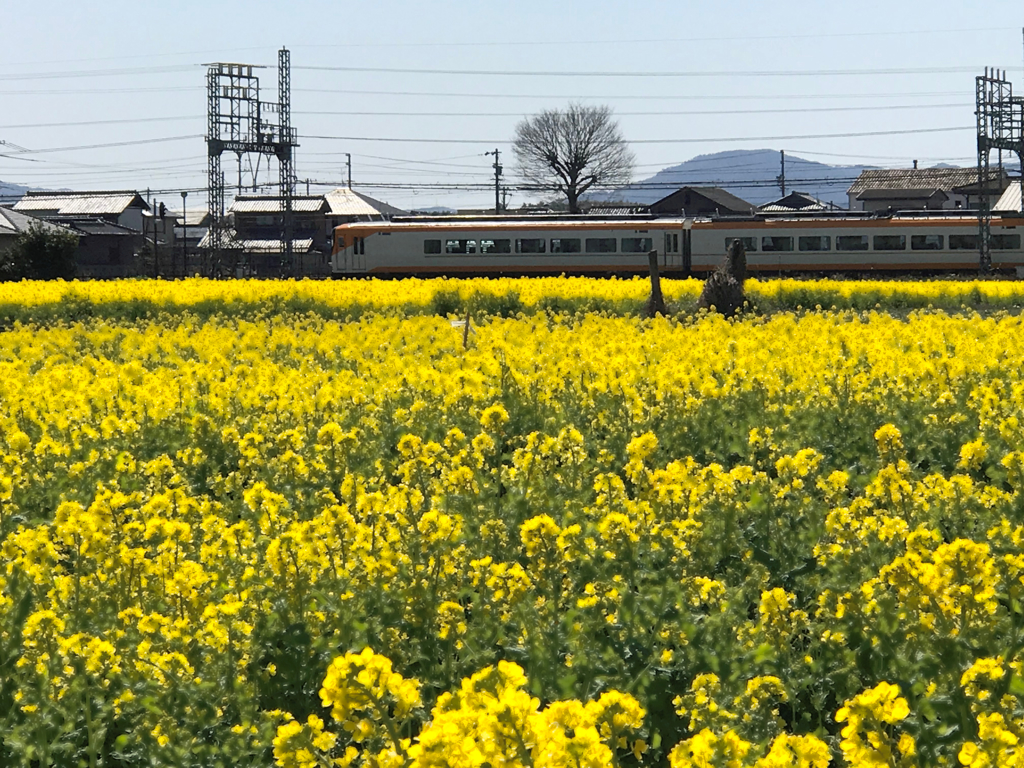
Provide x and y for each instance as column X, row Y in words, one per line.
column 918, row 189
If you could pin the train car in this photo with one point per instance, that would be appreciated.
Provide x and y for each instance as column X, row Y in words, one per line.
column 912, row 242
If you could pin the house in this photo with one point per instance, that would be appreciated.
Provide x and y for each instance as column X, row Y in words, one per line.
column 105, row 249
column 253, row 240
column 13, row 224
column 702, row 201
column 124, row 208
column 112, row 227
column 915, row 189
column 191, row 227
column 346, row 205
column 795, row 202
column 258, row 230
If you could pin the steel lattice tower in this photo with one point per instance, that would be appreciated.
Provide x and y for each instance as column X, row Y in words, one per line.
column 237, row 122
column 286, row 155
column 1000, row 120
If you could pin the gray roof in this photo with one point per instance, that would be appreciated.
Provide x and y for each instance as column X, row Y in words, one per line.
column 617, row 210
column 1011, row 199
column 716, row 195
column 265, row 204
column 348, row 202
column 794, row 201
column 230, row 242
column 14, row 223
column 912, row 193
column 196, row 218
column 81, row 203
column 98, row 226
column 946, row 179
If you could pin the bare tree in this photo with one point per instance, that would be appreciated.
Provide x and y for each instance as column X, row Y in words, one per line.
column 572, row 151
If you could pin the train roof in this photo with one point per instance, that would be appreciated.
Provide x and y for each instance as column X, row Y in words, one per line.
column 647, row 221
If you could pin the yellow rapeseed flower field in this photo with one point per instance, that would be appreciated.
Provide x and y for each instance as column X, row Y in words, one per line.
column 310, row 524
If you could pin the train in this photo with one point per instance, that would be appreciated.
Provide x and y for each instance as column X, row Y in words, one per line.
column 920, row 241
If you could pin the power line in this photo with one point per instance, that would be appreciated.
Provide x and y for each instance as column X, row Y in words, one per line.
column 509, row 43
column 652, row 41
column 108, row 145
column 709, row 139
column 658, row 74
column 185, row 118
column 658, row 97
column 76, row 91
column 692, row 112
column 76, row 73
column 103, row 122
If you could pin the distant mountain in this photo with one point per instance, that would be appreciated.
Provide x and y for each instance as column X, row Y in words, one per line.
column 749, row 174
column 10, row 193
column 437, row 209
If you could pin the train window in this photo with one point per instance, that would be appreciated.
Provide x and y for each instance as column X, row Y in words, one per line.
column 637, row 245
column 431, row 246
column 671, row 242
column 963, row 242
column 531, row 245
column 776, row 243
column 601, row 245
column 851, row 242
column 890, row 242
column 565, row 245
column 460, row 246
column 1005, row 242
column 495, row 246
column 815, row 243
column 750, row 243
column 926, row 242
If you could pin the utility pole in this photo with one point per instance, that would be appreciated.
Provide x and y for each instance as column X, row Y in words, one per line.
column 497, row 179
column 184, row 235
column 348, row 163
column 156, row 258
column 781, row 178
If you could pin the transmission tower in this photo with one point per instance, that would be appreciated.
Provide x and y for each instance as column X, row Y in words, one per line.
column 1000, row 117
column 239, row 121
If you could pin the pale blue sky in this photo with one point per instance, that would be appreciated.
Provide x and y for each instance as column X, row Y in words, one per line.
column 116, row 61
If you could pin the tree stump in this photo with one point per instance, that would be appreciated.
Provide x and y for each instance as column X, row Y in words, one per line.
column 656, row 302
column 723, row 291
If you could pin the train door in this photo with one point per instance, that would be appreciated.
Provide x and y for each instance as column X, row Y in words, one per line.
column 672, row 254
column 353, row 258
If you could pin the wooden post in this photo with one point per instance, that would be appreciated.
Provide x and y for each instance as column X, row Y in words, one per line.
column 655, row 304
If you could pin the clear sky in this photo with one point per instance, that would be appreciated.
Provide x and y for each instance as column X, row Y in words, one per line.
column 714, row 76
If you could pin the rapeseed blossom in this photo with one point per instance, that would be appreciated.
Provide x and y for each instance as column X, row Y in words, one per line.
column 801, row 531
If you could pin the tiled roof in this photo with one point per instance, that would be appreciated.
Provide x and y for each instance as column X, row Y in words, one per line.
column 196, row 218
column 276, row 205
column 301, row 245
column 717, row 195
column 1010, row 201
column 911, row 193
column 81, row 203
column 916, row 178
column 13, row 222
column 794, row 201
column 348, row 202
column 101, row 227
column 617, row 210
